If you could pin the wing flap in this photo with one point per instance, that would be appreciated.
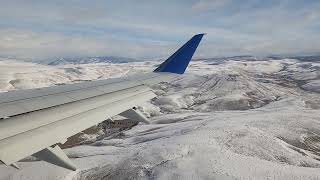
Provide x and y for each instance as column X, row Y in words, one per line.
column 22, row 123
column 16, row 147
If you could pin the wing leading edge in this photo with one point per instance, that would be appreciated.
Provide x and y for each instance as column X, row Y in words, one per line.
column 33, row 121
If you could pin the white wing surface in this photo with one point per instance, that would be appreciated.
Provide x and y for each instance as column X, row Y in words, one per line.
column 33, row 121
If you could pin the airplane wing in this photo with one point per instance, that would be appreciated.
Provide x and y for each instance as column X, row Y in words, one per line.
column 33, row 121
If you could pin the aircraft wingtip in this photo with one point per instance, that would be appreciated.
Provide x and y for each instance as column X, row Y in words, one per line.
column 178, row 62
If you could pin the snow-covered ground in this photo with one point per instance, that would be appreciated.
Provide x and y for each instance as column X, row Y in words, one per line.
column 227, row 120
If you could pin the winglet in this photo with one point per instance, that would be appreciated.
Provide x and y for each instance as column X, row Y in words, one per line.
column 178, row 62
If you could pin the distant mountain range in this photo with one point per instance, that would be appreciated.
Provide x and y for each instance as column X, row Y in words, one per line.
column 218, row 60
column 86, row 60
column 307, row 58
column 117, row 59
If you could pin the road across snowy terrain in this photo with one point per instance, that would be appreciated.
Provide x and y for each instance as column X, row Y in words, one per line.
column 228, row 120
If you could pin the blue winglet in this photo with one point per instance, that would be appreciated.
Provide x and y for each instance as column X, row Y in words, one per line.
column 179, row 61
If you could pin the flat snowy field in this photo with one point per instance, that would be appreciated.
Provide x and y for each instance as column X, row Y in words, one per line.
column 226, row 120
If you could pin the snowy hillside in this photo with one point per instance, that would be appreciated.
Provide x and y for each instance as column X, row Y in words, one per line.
column 224, row 119
column 23, row 75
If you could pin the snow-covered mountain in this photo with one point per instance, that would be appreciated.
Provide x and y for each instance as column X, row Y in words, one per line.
column 86, row 60
column 302, row 58
column 226, row 118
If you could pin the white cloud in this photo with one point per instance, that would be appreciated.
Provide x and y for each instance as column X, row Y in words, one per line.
column 207, row 5
column 63, row 28
column 28, row 44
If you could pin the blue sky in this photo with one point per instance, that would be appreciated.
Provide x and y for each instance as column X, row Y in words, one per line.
column 155, row 28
